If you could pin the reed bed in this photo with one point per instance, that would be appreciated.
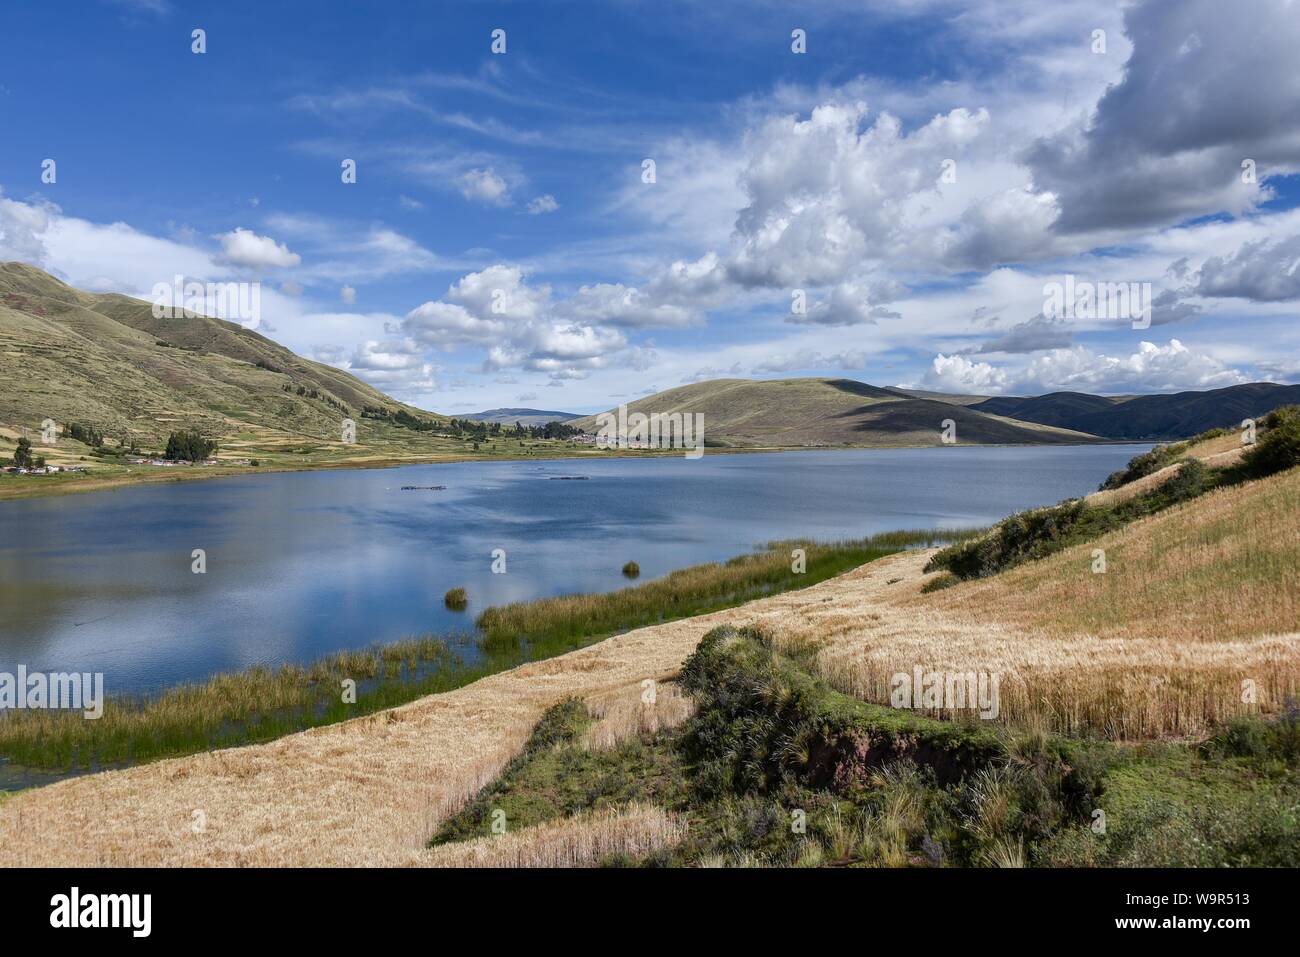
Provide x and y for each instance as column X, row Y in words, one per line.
column 257, row 704
column 537, row 628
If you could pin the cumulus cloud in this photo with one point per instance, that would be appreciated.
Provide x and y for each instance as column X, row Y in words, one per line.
column 1152, row 368
column 348, row 295
column 1261, row 271
column 542, row 204
column 518, row 323
column 850, row 304
column 484, row 186
column 246, row 249
column 22, row 226
column 831, row 191
column 1168, row 142
column 619, row 305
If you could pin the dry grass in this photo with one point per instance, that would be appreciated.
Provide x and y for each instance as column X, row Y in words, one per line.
column 1212, row 452
column 581, row 841
column 1194, row 602
column 628, row 712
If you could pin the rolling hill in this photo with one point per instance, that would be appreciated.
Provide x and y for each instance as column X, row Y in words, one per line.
column 106, row 361
column 1157, row 417
column 742, row 413
column 523, row 416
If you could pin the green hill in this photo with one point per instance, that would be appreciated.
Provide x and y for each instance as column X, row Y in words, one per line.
column 107, row 362
column 833, row 412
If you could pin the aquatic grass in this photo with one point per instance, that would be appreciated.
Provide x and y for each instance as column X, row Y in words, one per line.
column 544, row 627
column 256, row 704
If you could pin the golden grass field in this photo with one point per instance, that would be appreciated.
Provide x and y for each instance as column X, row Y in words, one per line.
column 580, row 841
column 1194, row 600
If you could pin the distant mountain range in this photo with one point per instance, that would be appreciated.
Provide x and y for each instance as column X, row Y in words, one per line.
column 523, row 416
column 1156, row 417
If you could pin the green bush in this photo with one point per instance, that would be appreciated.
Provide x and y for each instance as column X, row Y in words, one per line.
column 1279, row 447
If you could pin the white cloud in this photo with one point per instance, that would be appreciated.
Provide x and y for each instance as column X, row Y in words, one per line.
column 484, row 186
column 244, row 248
column 619, row 305
column 806, row 360
column 542, row 204
column 348, row 295
column 1152, row 368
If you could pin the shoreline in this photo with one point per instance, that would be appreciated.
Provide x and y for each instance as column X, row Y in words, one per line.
column 31, row 487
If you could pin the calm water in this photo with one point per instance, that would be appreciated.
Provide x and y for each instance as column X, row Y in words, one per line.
column 306, row 563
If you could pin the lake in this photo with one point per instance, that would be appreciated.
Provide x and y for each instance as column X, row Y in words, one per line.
column 301, row 564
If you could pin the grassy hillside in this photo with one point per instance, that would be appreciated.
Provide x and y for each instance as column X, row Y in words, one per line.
column 1147, row 416
column 832, row 412
column 105, row 362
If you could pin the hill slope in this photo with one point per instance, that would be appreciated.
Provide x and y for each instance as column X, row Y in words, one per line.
column 1175, row 416
column 106, row 361
column 832, row 412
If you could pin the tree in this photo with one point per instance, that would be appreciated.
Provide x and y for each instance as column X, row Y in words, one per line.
column 189, row 446
column 23, row 453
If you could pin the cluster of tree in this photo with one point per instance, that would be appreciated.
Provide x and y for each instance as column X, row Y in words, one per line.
column 23, row 458
column 468, row 428
column 84, row 433
column 551, row 430
column 188, row 446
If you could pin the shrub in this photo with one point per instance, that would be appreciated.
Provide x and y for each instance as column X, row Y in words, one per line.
column 457, row 599
column 631, row 570
column 1279, row 447
column 1140, row 466
column 940, row 583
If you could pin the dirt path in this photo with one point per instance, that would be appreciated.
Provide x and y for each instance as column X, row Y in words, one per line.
column 368, row 791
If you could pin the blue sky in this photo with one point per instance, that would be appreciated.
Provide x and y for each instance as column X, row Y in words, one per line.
column 919, row 178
